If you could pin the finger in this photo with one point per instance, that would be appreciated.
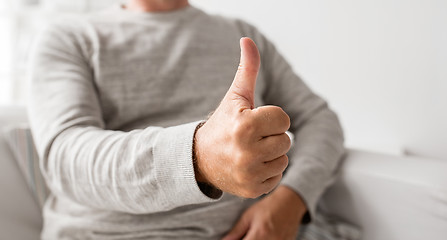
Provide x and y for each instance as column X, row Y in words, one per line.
column 271, row 183
column 275, row 167
column 272, row 147
column 271, row 120
column 242, row 90
column 270, row 169
column 239, row 230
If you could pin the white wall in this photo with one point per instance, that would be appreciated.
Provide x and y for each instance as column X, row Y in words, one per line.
column 20, row 21
column 382, row 64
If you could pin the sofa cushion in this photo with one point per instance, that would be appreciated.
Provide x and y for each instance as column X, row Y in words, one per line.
column 21, row 143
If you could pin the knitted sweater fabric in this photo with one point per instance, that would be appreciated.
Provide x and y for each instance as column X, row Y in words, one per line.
column 115, row 99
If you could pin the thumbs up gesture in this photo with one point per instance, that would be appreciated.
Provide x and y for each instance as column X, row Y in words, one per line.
column 241, row 149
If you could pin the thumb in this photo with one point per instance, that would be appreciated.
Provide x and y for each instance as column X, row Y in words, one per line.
column 238, row 231
column 242, row 89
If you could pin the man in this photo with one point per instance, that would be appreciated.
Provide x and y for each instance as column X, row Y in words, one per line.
column 119, row 106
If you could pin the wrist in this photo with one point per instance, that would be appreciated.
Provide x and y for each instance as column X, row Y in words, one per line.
column 292, row 198
column 204, row 185
column 200, row 178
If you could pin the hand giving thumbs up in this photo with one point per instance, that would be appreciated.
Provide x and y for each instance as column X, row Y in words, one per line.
column 242, row 149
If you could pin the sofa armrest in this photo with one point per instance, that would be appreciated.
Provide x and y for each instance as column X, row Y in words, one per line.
column 20, row 216
column 391, row 197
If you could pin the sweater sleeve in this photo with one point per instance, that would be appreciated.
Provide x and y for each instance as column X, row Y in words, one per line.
column 318, row 144
column 141, row 171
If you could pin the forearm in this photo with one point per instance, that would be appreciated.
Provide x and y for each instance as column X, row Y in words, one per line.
column 317, row 150
column 142, row 171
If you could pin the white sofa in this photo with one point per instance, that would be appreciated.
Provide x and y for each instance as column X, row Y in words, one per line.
column 390, row 198
column 20, row 215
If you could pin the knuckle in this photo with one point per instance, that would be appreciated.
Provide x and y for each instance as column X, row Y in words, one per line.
column 237, row 130
column 238, row 158
column 281, row 116
column 285, row 119
column 242, row 128
column 273, row 182
column 284, row 161
column 282, row 144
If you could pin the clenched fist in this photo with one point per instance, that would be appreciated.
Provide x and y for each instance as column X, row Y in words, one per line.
column 241, row 149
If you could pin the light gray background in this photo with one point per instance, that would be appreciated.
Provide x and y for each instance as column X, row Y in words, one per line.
column 380, row 63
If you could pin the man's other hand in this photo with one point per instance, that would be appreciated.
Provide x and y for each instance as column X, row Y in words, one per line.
column 277, row 216
column 241, row 149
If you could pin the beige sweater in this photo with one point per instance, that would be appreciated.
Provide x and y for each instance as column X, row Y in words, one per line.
column 115, row 99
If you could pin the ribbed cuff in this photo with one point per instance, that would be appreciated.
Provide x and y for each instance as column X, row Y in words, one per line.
column 174, row 167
